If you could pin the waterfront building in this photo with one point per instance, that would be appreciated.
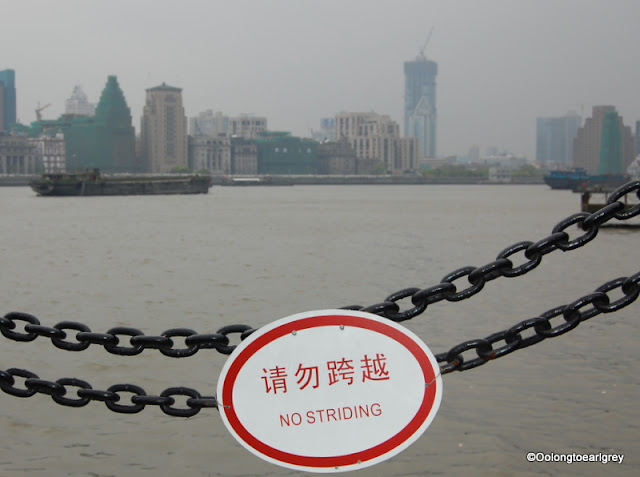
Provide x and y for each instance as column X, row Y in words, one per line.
column 105, row 141
column 504, row 161
column 244, row 156
column 50, row 151
column 377, row 143
column 420, row 112
column 281, row 153
column 163, row 133
column 78, row 104
column 554, row 140
column 336, row 157
column 7, row 99
column 247, row 126
column 18, row 155
column 47, row 139
column 500, row 174
column 604, row 145
column 210, row 153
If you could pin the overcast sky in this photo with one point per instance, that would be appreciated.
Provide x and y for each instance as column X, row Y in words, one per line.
column 502, row 63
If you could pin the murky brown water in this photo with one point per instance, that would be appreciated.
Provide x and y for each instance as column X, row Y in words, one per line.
column 252, row 255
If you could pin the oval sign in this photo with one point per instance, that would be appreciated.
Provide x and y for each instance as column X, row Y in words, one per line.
column 329, row 390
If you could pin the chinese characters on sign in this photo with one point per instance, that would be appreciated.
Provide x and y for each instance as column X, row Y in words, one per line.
column 370, row 368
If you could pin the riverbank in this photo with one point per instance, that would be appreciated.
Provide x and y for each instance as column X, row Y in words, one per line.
column 360, row 180
column 277, row 180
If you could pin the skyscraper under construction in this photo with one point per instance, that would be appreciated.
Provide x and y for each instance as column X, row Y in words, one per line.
column 420, row 113
column 604, row 145
column 106, row 140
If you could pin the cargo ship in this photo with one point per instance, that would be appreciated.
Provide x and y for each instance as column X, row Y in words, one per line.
column 93, row 183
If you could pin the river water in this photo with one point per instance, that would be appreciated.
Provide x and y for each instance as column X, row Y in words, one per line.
column 253, row 255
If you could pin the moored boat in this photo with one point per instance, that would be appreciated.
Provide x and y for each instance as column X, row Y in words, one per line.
column 577, row 179
column 93, row 183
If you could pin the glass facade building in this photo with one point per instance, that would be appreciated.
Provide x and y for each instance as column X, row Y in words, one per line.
column 7, row 99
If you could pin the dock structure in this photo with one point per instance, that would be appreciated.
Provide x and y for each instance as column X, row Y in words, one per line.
column 593, row 199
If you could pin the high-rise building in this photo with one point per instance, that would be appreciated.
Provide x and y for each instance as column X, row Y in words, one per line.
column 163, row 134
column 7, row 99
column 78, row 105
column 377, row 142
column 420, row 112
column 637, row 138
column 554, row 139
column 604, row 145
column 105, row 141
column 208, row 123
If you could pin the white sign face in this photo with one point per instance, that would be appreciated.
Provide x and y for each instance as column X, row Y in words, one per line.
column 329, row 390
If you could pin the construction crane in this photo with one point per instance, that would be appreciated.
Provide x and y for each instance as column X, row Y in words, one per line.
column 40, row 109
column 424, row 47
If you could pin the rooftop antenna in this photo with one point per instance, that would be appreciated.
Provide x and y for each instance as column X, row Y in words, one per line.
column 424, row 47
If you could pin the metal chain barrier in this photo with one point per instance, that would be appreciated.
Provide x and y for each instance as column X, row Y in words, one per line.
column 508, row 340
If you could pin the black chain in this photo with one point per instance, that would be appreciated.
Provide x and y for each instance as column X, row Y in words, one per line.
column 573, row 314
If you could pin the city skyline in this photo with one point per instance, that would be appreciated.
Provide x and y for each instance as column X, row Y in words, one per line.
column 501, row 64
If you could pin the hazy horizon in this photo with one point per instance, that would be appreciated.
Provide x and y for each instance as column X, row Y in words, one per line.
column 501, row 63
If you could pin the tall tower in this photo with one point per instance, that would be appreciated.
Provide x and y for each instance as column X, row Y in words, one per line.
column 420, row 113
column 7, row 99
column 163, row 134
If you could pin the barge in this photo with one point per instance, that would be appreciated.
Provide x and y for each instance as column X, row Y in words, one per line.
column 93, row 183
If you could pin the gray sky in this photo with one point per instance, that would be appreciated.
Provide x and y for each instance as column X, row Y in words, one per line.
column 502, row 63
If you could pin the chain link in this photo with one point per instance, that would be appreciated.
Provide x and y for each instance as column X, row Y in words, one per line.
column 111, row 397
column 508, row 340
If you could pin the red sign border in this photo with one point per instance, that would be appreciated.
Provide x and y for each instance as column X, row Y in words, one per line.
column 314, row 321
